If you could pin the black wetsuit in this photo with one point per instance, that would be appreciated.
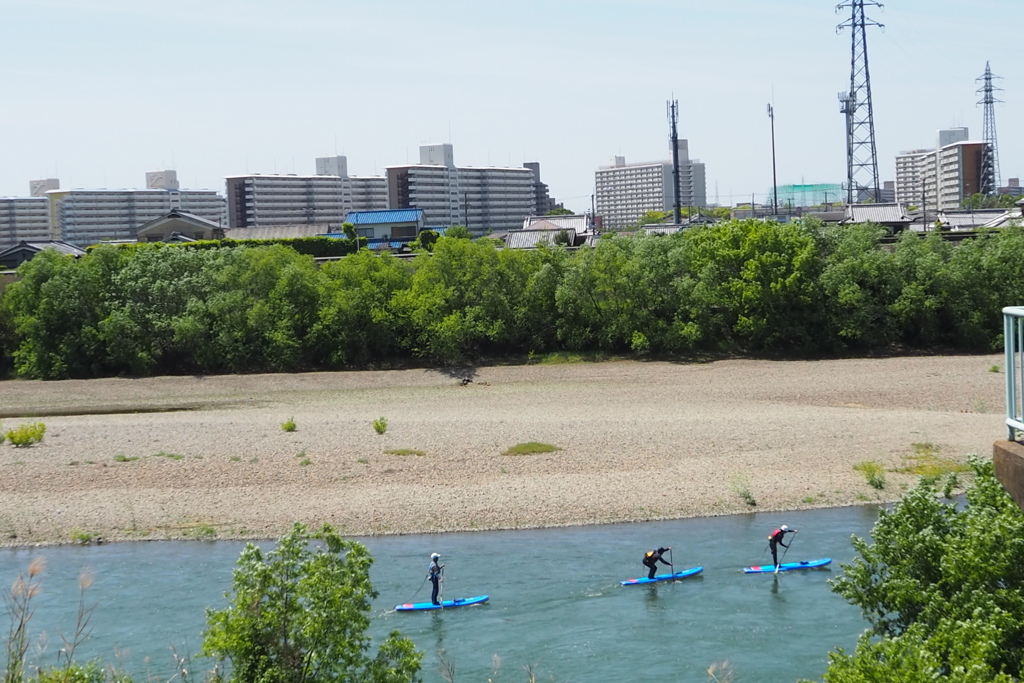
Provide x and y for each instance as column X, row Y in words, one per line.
column 651, row 558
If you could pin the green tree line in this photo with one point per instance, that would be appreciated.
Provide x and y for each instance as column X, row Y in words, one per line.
column 738, row 287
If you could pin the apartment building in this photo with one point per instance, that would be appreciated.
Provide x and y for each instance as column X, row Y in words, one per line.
column 484, row 199
column 85, row 217
column 625, row 192
column 940, row 179
column 27, row 218
column 288, row 199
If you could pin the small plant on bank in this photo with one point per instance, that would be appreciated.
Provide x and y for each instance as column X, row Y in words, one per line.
column 289, row 425
column 531, row 448
column 380, row 425
column 873, row 472
column 404, row 451
column 742, row 489
column 80, row 537
column 121, row 457
column 994, row 368
column 304, row 462
column 26, row 434
column 235, row 458
column 202, row 532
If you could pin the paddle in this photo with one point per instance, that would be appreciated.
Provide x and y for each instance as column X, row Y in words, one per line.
column 671, row 562
column 440, row 586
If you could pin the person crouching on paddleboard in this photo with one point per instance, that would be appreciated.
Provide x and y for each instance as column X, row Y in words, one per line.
column 776, row 539
column 434, row 573
column 651, row 558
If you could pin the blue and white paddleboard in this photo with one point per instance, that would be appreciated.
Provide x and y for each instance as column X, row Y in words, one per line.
column 663, row 577
column 445, row 604
column 785, row 567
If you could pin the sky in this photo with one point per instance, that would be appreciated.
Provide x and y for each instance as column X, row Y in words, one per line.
column 97, row 92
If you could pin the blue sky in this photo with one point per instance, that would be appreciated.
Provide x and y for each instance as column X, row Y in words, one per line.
column 97, row 92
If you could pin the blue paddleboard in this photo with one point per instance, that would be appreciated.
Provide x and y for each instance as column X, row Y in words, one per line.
column 663, row 577
column 445, row 604
column 785, row 567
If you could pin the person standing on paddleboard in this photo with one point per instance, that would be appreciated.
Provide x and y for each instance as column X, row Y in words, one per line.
column 776, row 539
column 434, row 573
column 651, row 558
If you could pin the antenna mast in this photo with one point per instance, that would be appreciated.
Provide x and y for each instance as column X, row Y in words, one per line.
column 861, row 155
column 990, row 180
column 673, row 119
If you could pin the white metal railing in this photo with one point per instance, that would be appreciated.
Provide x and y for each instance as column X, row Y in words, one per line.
column 1013, row 342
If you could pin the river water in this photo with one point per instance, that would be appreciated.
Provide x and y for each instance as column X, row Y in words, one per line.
column 556, row 603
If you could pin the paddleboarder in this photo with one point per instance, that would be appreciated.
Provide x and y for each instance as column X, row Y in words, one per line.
column 775, row 540
column 436, row 575
column 651, row 558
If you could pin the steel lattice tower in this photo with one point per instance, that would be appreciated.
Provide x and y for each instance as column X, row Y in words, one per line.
column 990, row 180
column 861, row 156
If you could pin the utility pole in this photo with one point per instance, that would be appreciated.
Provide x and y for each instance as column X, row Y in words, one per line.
column 673, row 118
column 861, row 155
column 990, row 180
column 775, row 182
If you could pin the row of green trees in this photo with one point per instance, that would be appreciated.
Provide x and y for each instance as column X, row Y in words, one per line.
column 747, row 287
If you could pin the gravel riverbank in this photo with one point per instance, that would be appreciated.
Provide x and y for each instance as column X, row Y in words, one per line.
column 204, row 457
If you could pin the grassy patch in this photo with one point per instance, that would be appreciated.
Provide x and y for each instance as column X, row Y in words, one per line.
column 81, row 537
column 363, row 461
column 809, row 500
column 289, row 425
column 741, row 488
column 201, row 532
column 561, row 358
column 404, row 451
column 994, row 368
column 304, row 462
column 121, row 457
column 169, row 456
column 380, row 425
column 235, row 458
column 531, row 448
column 926, row 462
column 873, row 472
column 27, row 434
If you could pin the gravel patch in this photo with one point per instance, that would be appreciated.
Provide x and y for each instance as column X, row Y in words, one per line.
column 205, row 457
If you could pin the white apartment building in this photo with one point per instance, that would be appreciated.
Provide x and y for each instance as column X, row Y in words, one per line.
column 940, row 179
column 324, row 199
column 85, row 217
column 27, row 218
column 625, row 192
column 484, row 199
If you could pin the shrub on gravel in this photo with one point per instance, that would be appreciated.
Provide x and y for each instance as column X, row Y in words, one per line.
column 26, row 434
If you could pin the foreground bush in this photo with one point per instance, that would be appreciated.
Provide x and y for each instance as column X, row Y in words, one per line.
column 299, row 614
column 942, row 589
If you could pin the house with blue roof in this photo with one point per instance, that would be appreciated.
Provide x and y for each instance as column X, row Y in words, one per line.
column 394, row 224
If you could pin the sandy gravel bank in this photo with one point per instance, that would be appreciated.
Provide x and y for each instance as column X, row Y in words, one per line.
column 207, row 456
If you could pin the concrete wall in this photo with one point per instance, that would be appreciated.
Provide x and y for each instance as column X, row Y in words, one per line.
column 1008, row 457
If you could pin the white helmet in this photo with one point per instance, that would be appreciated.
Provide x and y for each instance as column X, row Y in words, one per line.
column 784, row 528
column 435, row 556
